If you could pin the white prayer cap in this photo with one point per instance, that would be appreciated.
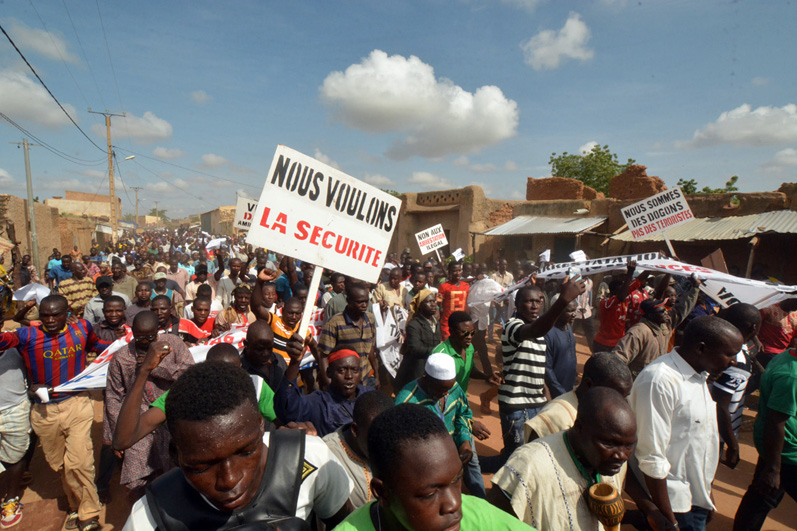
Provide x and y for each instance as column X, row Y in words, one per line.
column 440, row 366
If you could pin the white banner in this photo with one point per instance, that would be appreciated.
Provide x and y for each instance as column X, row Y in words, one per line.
column 389, row 333
column 722, row 287
column 244, row 213
column 657, row 213
column 313, row 212
column 431, row 239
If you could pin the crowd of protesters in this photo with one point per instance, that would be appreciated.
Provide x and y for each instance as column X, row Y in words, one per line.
column 296, row 430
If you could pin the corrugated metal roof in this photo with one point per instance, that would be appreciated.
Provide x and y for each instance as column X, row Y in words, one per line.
column 544, row 225
column 731, row 228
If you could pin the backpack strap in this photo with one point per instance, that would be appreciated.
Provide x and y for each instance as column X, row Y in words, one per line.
column 284, row 469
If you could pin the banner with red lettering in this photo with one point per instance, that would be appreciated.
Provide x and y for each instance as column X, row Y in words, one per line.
column 657, row 213
column 244, row 213
column 316, row 213
column 724, row 288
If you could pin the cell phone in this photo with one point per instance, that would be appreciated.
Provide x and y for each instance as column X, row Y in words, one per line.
column 574, row 273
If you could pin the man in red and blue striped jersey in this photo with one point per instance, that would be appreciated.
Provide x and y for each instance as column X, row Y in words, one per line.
column 54, row 353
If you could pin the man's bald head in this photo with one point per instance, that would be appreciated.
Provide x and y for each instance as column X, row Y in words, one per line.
column 605, row 369
column 710, row 344
column 259, row 331
column 144, row 322
column 745, row 317
column 604, row 434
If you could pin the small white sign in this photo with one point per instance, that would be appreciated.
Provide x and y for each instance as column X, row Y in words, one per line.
column 318, row 214
column 657, row 213
column 431, row 239
column 244, row 213
column 545, row 256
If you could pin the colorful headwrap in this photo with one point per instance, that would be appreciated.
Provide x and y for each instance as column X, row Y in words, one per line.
column 340, row 354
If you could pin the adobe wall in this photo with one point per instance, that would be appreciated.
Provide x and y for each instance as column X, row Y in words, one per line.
column 75, row 231
column 47, row 226
column 549, row 188
column 94, row 208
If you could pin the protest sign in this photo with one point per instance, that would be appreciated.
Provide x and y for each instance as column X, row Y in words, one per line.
column 316, row 213
column 722, row 287
column 657, row 213
column 389, row 331
column 244, row 213
column 431, row 239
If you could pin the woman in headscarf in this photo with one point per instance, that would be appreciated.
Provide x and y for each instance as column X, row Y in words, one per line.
column 422, row 335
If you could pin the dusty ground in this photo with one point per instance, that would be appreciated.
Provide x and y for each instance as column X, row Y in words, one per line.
column 45, row 503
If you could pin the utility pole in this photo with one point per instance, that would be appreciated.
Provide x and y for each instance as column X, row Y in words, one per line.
column 111, row 184
column 34, row 239
column 137, row 188
column 157, row 212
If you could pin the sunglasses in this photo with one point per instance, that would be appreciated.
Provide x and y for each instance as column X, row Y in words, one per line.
column 468, row 334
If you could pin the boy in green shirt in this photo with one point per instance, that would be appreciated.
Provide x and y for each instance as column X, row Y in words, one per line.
column 418, row 479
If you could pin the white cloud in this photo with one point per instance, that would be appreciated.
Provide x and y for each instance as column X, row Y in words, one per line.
column 26, row 100
column 168, row 153
column 163, row 187
column 511, row 166
column 517, row 195
column 5, row 178
column 527, row 5
column 745, row 126
column 429, row 181
column 243, row 193
column 761, row 81
column 200, row 97
column 146, row 129
column 461, row 161
column 211, row 160
column 395, row 94
column 548, row 49
column 488, row 189
column 783, row 159
column 94, row 174
column 587, row 148
column 47, row 44
column 325, row 159
column 378, row 180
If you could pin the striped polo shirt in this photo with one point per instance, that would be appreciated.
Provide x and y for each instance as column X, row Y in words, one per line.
column 341, row 332
column 54, row 359
column 524, row 369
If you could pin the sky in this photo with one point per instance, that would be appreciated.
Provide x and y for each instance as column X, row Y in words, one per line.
column 408, row 96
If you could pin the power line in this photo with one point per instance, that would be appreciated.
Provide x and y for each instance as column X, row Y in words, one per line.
column 47, row 89
column 50, row 148
column 119, row 170
column 57, row 49
column 172, row 184
column 113, row 70
column 189, row 169
column 85, row 57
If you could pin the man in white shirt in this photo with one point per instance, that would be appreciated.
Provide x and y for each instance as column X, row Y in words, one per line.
column 678, row 449
column 225, row 457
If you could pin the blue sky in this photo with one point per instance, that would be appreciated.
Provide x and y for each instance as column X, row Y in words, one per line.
column 411, row 96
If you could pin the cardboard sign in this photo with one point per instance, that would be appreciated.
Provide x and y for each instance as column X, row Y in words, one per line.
column 244, row 213
column 431, row 239
column 313, row 212
column 657, row 213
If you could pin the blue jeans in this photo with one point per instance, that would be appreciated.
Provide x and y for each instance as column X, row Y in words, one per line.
column 472, row 475
column 694, row 520
column 512, row 427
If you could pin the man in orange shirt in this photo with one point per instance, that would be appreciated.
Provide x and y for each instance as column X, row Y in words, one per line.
column 453, row 296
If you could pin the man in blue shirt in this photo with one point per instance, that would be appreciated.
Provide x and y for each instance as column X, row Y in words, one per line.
column 61, row 271
column 560, row 353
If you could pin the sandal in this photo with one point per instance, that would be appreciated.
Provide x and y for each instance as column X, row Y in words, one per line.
column 71, row 521
column 90, row 525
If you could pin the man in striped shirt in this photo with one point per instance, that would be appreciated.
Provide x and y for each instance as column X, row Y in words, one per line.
column 54, row 353
column 523, row 392
column 78, row 290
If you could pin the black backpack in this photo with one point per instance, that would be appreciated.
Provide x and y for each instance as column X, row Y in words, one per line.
column 177, row 506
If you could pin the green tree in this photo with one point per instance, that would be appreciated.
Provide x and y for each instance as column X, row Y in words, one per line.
column 690, row 187
column 129, row 217
column 595, row 169
column 158, row 214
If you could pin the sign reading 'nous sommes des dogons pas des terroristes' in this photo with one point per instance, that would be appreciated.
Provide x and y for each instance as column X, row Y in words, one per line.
column 657, row 213
column 313, row 212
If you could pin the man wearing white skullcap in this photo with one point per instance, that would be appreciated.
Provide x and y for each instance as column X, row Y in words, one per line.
column 438, row 391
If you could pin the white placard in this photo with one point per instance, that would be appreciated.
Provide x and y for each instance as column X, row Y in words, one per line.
column 313, row 212
column 244, row 213
column 431, row 239
column 657, row 213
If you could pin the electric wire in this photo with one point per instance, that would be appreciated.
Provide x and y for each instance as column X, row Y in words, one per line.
column 58, row 49
column 52, row 149
column 189, row 169
column 119, row 171
column 113, row 70
column 85, row 57
column 172, row 184
column 47, row 88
